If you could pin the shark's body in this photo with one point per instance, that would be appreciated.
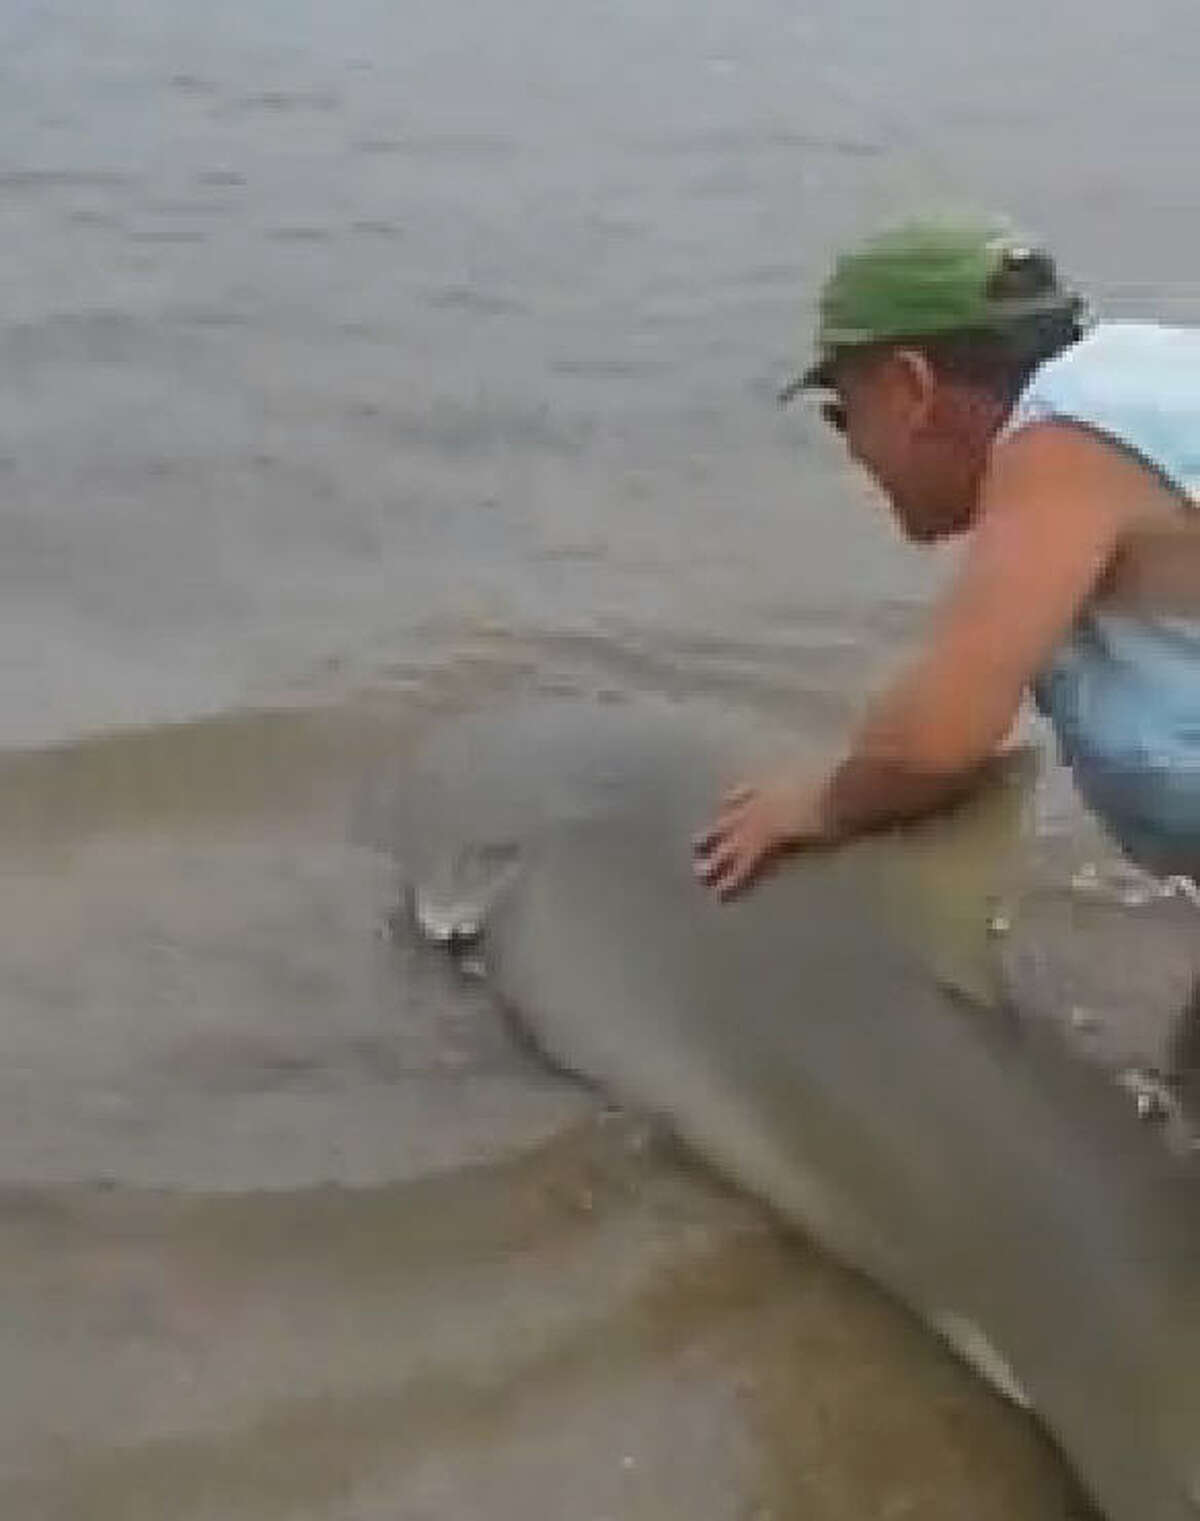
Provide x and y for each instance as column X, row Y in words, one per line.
column 830, row 1042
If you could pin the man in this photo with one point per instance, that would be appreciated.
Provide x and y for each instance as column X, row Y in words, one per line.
column 965, row 380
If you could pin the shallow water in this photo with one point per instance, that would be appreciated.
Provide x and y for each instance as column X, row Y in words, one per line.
column 293, row 1224
column 368, row 363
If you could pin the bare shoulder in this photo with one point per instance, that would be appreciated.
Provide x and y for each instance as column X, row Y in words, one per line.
column 1087, row 473
column 1068, row 493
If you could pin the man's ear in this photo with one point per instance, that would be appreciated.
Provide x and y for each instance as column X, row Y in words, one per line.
column 916, row 386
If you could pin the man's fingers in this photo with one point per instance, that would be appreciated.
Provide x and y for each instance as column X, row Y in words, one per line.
column 729, row 867
column 742, row 870
column 727, row 823
column 730, row 813
column 712, row 866
column 728, row 853
column 708, row 839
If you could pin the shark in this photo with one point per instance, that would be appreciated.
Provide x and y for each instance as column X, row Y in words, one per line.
column 859, row 1041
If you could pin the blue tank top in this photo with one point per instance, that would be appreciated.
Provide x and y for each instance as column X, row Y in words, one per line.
column 1123, row 692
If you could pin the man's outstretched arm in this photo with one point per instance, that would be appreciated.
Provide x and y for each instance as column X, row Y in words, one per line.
column 1055, row 505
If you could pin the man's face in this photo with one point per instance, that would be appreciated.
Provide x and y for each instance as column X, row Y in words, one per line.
column 917, row 435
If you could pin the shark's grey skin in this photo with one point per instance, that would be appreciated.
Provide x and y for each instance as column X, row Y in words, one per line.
column 807, row 1041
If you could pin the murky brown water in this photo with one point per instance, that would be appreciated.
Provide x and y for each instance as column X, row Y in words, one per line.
column 360, row 363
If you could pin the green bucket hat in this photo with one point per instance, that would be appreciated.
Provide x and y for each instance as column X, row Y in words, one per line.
column 930, row 277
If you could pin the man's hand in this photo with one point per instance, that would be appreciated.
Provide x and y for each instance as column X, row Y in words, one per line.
column 756, row 823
